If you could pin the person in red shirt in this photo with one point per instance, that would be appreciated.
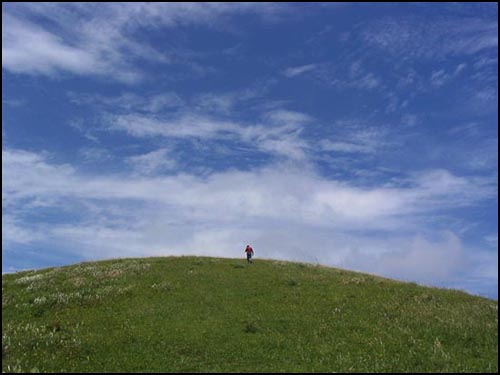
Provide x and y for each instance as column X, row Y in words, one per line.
column 249, row 252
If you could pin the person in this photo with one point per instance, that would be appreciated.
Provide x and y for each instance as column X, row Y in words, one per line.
column 250, row 253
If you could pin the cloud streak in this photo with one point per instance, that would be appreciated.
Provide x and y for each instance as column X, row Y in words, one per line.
column 98, row 40
column 431, row 38
column 27, row 48
column 279, row 135
column 298, row 70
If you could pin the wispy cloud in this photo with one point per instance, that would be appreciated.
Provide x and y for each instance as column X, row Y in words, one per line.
column 430, row 38
column 492, row 239
column 358, row 136
column 228, row 102
column 298, row 70
column 312, row 198
column 347, row 147
column 129, row 101
column 343, row 75
column 441, row 76
column 13, row 102
column 279, row 137
column 416, row 258
column 95, row 154
column 98, row 40
column 27, row 48
column 154, row 162
column 209, row 117
column 438, row 78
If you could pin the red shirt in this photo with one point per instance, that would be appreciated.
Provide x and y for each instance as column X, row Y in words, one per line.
column 249, row 249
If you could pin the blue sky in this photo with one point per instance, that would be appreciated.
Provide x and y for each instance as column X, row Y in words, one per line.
column 362, row 136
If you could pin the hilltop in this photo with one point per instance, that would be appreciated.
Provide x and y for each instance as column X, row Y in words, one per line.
column 195, row 314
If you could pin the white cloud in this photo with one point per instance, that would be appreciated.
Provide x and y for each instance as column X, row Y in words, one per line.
column 27, row 48
column 18, row 232
column 280, row 136
column 14, row 102
column 153, row 162
column 216, row 103
column 183, row 126
column 203, row 117
column 91, row 39
column 438, row 78
column 287, row 145
column 328, row 145
column 95, row 154
column 23, row 168
column 368, row 81
column 492, row 239
column 227, row 102
column 417, row 258
column 356, row 136
column 485, row 61
column 459, row 68
column 130, row 102
column 160, row 102
column 298, row 70
column 273, row 192
column 84, row 128
column 432, row 39
column 343, row 75
column 409, row 120
column 473, row 35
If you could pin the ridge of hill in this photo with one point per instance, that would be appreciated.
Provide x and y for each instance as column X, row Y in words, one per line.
column 198, row 314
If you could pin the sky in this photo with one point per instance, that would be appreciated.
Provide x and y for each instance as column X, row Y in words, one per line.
column 360, row 136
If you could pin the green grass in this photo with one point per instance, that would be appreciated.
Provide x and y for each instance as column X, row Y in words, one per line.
column 191, row 314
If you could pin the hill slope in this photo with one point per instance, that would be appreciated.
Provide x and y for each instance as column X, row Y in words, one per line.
column 210, row 314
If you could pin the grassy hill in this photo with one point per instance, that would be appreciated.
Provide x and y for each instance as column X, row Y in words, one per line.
column 220, row 315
